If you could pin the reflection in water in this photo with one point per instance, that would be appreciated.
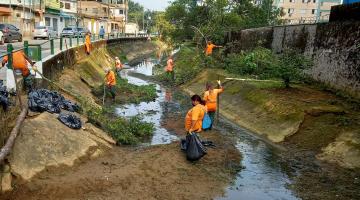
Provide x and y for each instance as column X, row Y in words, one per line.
column 150, row 111
column 262, row 177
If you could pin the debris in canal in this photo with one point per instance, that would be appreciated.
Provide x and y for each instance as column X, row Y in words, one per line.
column 70, row 120
column 41, row 100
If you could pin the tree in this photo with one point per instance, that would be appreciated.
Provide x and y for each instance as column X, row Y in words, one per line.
column 292, row 66
column 136, row 12
column 213, row 18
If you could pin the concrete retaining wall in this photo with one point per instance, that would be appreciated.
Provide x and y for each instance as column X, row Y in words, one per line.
column 54, row 65
column 334, row 47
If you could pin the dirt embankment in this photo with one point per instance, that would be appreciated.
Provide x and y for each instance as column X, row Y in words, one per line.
column 319, row 130
column 66, row 164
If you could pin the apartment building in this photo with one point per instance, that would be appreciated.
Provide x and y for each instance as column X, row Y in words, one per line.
column 305, row 11
column 110, row 14
column 21, row 13
column 68, row 13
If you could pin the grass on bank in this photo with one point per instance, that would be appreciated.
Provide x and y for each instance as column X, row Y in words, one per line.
column 128, row 93
column 125, row 131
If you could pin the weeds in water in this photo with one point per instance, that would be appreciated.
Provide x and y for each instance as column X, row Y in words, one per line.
column 129, row 93
column 123, row 130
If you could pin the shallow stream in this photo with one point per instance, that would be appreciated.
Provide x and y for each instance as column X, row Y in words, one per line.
column 262, row 177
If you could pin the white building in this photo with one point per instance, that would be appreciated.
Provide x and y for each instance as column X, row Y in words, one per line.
column 68, row 13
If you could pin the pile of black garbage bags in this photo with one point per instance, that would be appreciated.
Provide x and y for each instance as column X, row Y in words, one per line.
column 4, row 97
column 41, row 100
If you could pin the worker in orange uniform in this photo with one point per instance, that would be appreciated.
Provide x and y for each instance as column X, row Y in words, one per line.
column 210, row 98
column 20, row 62
column 118, row 66
column 170, row 68
column 195, row 116
column 209, row 48
column 88, row 43
column 110, row 82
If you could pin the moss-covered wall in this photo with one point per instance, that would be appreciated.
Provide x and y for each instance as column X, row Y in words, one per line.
column 334, row 47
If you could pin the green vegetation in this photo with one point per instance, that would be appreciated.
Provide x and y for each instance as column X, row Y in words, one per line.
column 124, row 131
column 263, row 64
column 210, row 20
column 129, row 93
column 187, row 65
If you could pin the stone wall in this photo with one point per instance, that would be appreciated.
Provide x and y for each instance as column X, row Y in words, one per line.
column 334, row 48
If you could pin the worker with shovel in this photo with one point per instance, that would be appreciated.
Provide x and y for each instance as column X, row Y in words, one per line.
column 20, row 62
column 211, row 97
column 110, row 82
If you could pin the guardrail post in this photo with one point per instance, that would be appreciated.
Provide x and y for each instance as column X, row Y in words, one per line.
column 10, row 49
column 39, row 52
column 77, row 40
column 70, row 41
column 61, row 43
column 26, row 47
column 52, row 50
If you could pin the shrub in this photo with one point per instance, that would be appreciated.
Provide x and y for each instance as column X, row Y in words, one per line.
column 292, row 66
column 258, row 62
column 263, row 64
column 124, row 131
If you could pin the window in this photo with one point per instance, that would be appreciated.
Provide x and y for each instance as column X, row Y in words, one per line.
column 61, row 19
column 104, row 10
column 314, row 1
column 18, row 15
column 292, row 1
column 47, row 21
column 120, row 1
column 121, row 12
column 302, row 11
column 67, row 6
column 313, row 11
column 61, row 5
column 291, row 11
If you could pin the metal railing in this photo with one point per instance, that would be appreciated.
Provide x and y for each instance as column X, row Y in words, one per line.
column 37, row 52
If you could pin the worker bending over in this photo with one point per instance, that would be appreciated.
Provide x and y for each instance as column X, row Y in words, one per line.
column 210, row 98
column 170, row 68
column 110, row 82
column 195, row 116
column 20, row 62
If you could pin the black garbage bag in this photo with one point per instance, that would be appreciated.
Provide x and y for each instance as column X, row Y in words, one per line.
column 42, row 100
column 193, row 147
column 70, row 121
column 70, row 106
column 4, row 97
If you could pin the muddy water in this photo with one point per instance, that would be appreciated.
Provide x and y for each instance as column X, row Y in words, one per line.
column 261, row 178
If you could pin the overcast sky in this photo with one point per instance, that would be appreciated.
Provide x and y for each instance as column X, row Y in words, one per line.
column 158, row 5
